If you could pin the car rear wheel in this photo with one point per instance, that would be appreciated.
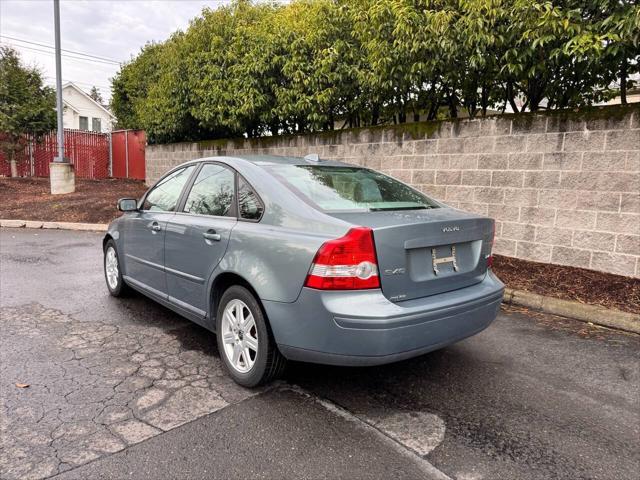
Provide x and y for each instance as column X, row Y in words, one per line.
column 112, row 271
column 245, row 342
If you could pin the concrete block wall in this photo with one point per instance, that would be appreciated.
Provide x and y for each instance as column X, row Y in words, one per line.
column 563, row 187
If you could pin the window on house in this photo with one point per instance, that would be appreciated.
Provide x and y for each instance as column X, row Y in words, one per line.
column 96, row 124
column 84, row 123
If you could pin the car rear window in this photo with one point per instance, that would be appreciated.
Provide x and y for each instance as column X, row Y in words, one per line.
column 336, row 188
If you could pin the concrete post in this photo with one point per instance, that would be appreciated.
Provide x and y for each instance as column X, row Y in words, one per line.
column 61, row 175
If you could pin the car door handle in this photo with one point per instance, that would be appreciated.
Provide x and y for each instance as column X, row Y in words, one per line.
column 155, row 226
column 212, row 235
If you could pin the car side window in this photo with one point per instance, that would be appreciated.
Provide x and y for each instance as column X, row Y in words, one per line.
column 165, row 195
column 212, row 192
column 250, row 205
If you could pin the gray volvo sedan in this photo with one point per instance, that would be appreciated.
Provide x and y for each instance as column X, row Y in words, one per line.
column 304, row 259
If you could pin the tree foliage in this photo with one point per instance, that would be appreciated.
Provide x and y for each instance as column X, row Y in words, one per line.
column 267, row 68
column 95, row 95
column 27, row 107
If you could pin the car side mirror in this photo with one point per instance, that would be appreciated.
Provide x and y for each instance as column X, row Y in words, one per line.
column 127, row 205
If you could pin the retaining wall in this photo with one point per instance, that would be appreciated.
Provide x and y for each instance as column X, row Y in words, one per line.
column 564, row 187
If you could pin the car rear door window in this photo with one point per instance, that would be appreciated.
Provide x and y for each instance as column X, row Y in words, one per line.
column 212, row 192
column 250, row 205
column 165, row 195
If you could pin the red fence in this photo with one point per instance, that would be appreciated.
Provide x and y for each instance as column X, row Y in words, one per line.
column 22, row 159
column 87, row 151
column 128, row 159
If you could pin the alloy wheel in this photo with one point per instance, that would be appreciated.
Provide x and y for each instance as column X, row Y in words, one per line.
column 111, row 268
column 239, row 336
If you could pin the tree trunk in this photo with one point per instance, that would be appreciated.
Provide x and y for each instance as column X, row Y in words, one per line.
column 434, row 104
column 472, row 109
column 14, row 165
column 484, row 100
column 623, row 81
column 453, row 108
column 433, row 111
column 273, row 127
column 533, row 99
column 375, row 114
column 402, row 112
column 511, row 97
column 535, row 94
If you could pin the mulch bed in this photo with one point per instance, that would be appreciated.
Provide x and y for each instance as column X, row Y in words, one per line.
column 570, row 283
column 94, row 201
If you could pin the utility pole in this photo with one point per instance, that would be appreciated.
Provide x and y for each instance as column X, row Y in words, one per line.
column 61, row 171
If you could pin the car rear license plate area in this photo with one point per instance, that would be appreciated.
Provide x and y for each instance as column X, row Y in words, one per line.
column 444, row 259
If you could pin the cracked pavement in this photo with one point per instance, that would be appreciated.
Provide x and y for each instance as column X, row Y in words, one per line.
column 126, row 388
column 96, row 388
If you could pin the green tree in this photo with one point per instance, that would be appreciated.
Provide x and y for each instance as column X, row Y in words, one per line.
column 559, row 52
column 131, row 85
column 258, row 68
column 476, row 45
column 318, row 59
column 95, row 95
column 166, row 111
column 620, row 28
column 229, row 67
column 385, row 73
column 27, row 107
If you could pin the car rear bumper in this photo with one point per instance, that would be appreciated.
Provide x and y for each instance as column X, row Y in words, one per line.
column 364, row 328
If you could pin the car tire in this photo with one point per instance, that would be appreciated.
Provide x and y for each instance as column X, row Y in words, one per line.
column 112, row 272
column 248, row 366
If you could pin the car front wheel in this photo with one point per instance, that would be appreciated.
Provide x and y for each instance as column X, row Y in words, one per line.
column 112, row 271
column 245, row 342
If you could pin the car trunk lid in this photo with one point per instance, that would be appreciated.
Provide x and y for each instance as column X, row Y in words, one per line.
column 426, row 252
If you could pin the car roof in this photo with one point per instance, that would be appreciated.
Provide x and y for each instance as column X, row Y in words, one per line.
column 270, row 160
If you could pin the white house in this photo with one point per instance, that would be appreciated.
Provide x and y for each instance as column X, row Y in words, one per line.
column 81, row 112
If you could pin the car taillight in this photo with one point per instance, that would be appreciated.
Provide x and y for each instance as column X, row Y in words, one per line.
column 346, row 263
column 493, row 237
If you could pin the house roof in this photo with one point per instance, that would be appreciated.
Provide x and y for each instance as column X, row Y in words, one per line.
column 74, row 86
column 67, row 104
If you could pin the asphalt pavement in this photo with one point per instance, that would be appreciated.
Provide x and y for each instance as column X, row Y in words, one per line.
column 127, row 389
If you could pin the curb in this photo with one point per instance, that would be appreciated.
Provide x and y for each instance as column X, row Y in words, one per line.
column 89, row 227
column 606, row 317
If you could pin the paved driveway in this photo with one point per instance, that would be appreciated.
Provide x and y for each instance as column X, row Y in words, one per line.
column 125, row 388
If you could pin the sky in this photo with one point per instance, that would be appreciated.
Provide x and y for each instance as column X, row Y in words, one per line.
column 112, row 30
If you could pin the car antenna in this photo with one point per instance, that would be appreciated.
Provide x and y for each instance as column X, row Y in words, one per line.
column 312, row 157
